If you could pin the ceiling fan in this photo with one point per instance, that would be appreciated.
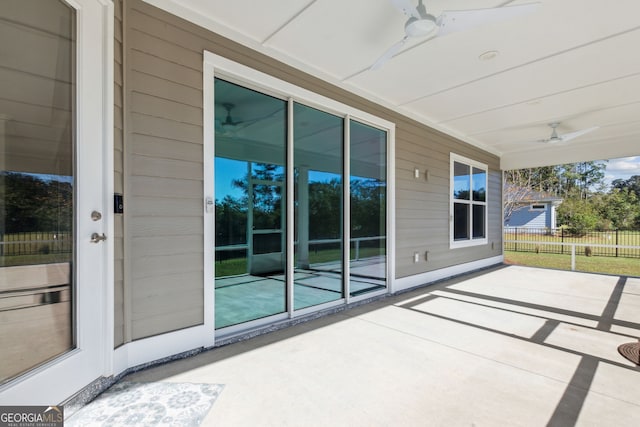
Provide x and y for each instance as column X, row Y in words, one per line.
column 422, row 24
column 565, row 137
column 233, row 127
column 228, row 121
column 228, row 126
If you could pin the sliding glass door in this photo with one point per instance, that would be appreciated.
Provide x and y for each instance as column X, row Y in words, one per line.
column 318, row 160
column 368, row 191
column 250, row 147
column 334, row 228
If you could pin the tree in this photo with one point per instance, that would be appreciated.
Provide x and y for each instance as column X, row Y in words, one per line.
column 580, row 185
column 577, row 215
column 567, row 180
column 34, row 203
column 514, row 196
column 619, row 209
column 581, row 179
column 632, row 184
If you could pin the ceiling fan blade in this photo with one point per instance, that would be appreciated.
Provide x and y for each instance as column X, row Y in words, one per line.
column 572, row 135
column 390, row 53
column 406, row 7
column 535, row 141
column 452, row 21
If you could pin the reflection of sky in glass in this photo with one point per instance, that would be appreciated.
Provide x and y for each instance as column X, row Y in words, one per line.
column 315, row 176
column 479, row 183
column 461, row 186
column 369, row 181
column 228, row 170
column 461, row 181
column 49, row 177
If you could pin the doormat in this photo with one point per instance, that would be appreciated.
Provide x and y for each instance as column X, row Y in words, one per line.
column 148, row 404
column 631, row 351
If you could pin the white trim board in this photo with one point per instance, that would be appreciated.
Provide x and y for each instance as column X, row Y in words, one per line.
column 159, row 347
column 410, row 282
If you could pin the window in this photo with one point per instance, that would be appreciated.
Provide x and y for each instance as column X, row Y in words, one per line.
column 536, row 207
column 468, row 202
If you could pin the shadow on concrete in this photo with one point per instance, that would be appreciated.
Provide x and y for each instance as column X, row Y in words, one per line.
column 568, row 408
column 570, row 404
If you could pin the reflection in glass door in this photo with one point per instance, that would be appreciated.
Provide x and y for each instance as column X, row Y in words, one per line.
column 266, row 249
column 52, row 277
column 36, row 184
column 318, row 193
column 252, row 139
column 368, row 188
column 250, row 148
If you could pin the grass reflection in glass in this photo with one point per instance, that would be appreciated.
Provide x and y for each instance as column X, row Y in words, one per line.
column 231, row 267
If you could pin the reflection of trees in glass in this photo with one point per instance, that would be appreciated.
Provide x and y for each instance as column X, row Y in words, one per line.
column 267, row 207
column 30, row 203
column 325, row 209
column 267, row 199
column 480, row 195
column 368, row 207
column 479, row 185
column 231, row 221
column 461, row 194
column 231, row 212
column 461, row 181
column 267, row 172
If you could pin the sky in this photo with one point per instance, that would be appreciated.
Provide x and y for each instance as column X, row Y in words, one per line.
column 236, row 169
column 623, row 168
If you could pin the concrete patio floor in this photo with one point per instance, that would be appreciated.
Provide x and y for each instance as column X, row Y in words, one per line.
column 509, row 346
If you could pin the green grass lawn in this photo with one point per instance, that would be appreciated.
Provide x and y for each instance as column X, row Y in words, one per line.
column 593, row 264
column 235, row 266
column 13, row 260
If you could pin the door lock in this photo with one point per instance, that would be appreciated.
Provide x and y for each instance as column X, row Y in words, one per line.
column 95, row 237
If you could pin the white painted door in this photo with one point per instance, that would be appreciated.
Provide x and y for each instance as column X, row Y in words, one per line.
column 56, row 327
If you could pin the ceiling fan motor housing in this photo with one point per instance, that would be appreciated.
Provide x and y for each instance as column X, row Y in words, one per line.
column 415, row 27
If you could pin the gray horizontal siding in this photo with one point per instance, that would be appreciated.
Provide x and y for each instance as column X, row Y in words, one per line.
column 118, row 179
column 164, row 181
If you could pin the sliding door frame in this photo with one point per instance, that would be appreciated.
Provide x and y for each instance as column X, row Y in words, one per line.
column 216, row 66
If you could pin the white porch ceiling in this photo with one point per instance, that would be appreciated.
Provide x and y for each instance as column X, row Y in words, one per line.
column 572, row 61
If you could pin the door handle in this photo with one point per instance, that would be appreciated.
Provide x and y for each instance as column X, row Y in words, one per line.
column 95, row 237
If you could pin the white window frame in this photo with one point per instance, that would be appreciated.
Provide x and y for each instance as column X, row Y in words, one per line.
column 453, row 244
column 535, row 207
